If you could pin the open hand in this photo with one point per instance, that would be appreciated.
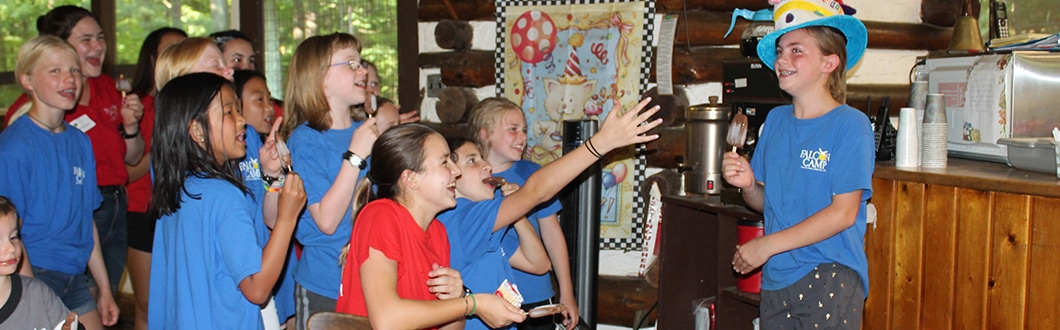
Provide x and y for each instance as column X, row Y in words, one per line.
column 623, row 129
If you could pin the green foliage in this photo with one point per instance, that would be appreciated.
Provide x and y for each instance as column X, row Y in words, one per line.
column 20, row 25
column 374, row 22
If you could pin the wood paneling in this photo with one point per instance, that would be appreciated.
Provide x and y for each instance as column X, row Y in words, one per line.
column 1043, row 300
column 908, row 270
column 961, row 258
column 940, row 246
column 1008, row 271
column 879, row 238
column 973, row 258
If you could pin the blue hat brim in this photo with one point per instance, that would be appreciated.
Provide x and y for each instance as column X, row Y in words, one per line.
column 852, row 28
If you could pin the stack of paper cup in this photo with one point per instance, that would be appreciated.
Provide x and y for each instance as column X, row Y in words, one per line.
column 918, row 91
column 933, row 144
column 907, row 148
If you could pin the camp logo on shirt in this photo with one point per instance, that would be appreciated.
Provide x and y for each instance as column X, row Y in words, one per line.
column 251, row 169
column 815, row 160
column 79, row 175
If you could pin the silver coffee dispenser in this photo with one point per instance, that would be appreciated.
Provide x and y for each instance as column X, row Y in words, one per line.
column 705, row 128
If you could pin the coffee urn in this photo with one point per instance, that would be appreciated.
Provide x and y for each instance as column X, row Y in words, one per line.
column 705, row 128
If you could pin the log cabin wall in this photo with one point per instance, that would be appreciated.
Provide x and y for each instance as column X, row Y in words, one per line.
column 898, row 35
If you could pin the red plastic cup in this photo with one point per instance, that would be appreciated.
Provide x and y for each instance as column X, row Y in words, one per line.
column 746, row 230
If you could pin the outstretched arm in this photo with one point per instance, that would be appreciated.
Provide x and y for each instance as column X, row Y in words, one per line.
column 556, row 245
column 530, row 257
column 618, row 130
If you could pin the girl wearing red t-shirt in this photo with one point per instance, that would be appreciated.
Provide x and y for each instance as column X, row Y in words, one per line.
column 400, row 248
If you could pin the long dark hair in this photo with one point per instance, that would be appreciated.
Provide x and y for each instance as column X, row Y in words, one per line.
column 457, row 141
column 224, row 37
column 144, row 78
column 60, row 22
column 241, row 78
column 182, row 102
column 398, row 149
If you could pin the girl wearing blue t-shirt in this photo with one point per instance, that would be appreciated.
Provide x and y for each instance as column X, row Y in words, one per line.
column 500, row 127
column 479, row 218
column 50, row 172
column 330, row 150
column 811, row 174
column 204, row 269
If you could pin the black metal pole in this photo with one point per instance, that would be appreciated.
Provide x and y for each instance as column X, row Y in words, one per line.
column 580, row 220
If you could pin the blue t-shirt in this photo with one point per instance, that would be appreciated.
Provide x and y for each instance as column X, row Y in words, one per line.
column 535, row 288
column 51, row 179
column 250, row 171
column 803, row 163
column 201, row 254
column 317, row 156
column 475, row 249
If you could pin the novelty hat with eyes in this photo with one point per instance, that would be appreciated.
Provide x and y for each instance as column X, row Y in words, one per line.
column 790, row 15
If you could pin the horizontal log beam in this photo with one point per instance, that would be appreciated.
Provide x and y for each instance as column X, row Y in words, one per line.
column 620, row 297
column 466, row 10
column 662, row 152
column 945, row 12
column 473, row 68
column 908, row 36
column 676, row 6
column 707, row 28
column 698, row 66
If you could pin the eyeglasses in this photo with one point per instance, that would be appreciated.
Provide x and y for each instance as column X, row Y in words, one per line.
column 354, row 65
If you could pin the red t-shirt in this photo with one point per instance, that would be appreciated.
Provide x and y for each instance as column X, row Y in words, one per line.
column 388, row 227
column 104, row 109
column 140, row 190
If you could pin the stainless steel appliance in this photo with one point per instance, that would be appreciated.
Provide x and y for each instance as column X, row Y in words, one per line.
column 705, row 129
column 994, row 96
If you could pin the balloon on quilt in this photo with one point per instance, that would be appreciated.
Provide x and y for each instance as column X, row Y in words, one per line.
column 533, row 35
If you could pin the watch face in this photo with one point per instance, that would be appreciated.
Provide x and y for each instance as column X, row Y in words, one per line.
column 354, row 160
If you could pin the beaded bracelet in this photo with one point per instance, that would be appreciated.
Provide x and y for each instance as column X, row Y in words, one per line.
column 273, row 184
column 474, row 305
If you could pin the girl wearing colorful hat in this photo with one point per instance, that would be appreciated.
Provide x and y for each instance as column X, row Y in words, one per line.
column 811, row 174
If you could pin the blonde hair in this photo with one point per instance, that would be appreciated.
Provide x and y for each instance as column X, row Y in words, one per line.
column 29, row 55
column 832, row 42
column 179, row 59
column 306, row 101
column 485, row 116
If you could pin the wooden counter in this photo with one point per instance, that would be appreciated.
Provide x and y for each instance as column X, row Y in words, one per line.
column 973, row 246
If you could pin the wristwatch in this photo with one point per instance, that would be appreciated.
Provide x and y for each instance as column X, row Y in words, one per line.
column 354, row 159
column 467, row 292
column 269, row 180
column 121, row 131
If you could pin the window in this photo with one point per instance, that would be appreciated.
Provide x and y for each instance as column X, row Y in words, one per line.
column 20, row 25
column 1024, row 16
column 373, row 22
column 136, row 18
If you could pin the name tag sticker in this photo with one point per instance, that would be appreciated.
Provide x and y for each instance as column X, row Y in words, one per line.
column 83, row 123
